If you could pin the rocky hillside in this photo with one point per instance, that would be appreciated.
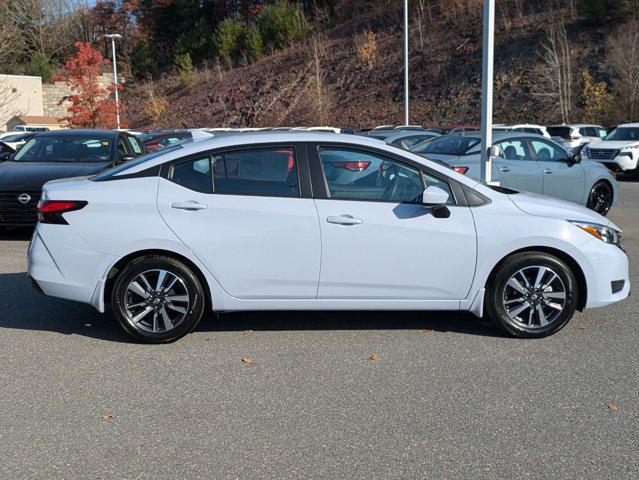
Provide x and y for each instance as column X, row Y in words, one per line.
column 324, row 80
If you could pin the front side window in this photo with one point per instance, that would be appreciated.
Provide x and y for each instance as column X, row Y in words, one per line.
column 65, row 148
column 264, row 171
column 601, row 133
column 547, row 152
column 357, row 175
column 514, row 150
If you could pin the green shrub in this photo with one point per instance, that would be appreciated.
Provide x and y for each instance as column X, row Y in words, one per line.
column 183, row 67
column 144, row 60
column 231, row 37
column 598, row 12
column 254, row 43
column 282, row 23
column 40, row 66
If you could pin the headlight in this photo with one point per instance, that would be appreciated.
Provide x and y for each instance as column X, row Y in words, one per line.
column 603, row 233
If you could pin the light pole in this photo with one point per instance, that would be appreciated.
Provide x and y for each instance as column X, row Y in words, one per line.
column 487, row 90
column 406, row 111
column 113, row 37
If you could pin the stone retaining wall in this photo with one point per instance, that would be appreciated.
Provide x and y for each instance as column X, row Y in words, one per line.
column 53, row 96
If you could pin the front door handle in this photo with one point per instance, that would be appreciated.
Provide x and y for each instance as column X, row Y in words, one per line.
column 344, row 220
column 504, row 169
column 547, row 170
column 189, row 205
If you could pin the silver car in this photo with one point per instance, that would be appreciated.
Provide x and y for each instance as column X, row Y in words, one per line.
column 530, row 163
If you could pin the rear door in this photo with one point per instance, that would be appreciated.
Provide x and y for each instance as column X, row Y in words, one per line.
column 562, row 178
column 248, row 216
column 517, row 167
column 378, row 240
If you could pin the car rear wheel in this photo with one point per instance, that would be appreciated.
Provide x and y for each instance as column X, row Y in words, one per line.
column 157, row 299
column 532, row 294
column 600, row 198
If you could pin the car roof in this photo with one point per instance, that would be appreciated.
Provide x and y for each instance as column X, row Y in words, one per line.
column 575, row 125
column 497, row 135
column 632, row 125
column 77, row 132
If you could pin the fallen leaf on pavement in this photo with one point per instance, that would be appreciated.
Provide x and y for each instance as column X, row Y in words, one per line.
column 108, row 416
column 425, row 331
column 248, row 361
column 613, row 406
column 246, row 332
column 374, row 357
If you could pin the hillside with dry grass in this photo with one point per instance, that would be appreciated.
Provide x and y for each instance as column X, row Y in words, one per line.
column 350, row 73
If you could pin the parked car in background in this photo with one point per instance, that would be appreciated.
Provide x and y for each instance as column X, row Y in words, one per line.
column 53, row 155
column 619, row 151
column 573, row 137
column 528, row 162
column 523, row 127
column 384, row 131
column 31, row 128
column 208, row 226
column 159, row 139
column 11, row 143
column 407, row 139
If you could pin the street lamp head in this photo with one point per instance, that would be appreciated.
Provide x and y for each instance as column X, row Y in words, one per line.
column 116, row 36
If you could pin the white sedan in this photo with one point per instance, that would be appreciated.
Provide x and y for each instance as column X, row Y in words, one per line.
column 276, row 221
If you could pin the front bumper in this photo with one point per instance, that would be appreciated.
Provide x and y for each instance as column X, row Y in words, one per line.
column 621, row 163
column 605, row 267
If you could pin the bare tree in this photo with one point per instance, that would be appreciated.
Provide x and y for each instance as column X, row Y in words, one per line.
column 623, row 60
column 556, row 72
column 8, row 101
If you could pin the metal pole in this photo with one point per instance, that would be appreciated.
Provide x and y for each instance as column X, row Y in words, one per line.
column 487, row 89
column 406, row 111
column 115, row 81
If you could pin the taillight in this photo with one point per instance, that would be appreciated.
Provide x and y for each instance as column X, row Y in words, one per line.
column 461, row 170
column 50, row 211
column 353, row 166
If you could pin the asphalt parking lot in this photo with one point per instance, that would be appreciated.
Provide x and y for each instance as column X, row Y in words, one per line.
column 329, row 395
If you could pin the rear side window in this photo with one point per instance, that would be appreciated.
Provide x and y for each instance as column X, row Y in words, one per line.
column 264, row 171
column 194, row 174
column 563, row 132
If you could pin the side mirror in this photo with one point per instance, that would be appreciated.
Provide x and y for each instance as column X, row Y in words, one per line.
column 434, row 196
column 574, row 157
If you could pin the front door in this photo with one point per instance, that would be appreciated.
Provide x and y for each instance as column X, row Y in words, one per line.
column 243, row 215
column 379, row 241
column 562, row 178
column 517, row 168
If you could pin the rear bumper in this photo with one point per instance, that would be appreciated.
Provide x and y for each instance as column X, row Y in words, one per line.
column 62, row 265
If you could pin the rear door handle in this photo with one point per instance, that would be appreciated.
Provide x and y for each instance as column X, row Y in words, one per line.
column 189, row 205
column 547, row 170
column 344, row 220
column 504, row 169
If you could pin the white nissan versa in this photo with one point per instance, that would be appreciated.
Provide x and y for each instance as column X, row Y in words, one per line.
column 300, row 220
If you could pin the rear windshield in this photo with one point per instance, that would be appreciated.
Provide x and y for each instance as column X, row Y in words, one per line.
column 17, row 138
column 563, row 132
column 447, row 145
column 125, row 166
column 66, row 148
column 624, row 133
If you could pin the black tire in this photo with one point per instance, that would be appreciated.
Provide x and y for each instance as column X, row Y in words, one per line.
column 499, row 292
column 191, row 311
column 600, row 197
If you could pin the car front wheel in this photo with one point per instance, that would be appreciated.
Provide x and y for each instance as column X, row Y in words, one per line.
column 157, row 299
column 600, row 198
column 532, row 294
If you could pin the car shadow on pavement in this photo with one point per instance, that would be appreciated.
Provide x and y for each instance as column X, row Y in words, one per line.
column 22, row 308
column 15, row 234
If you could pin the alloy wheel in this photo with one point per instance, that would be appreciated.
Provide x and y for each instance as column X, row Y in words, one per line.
column 534, row 297
column 601, row 198
column 156, row 301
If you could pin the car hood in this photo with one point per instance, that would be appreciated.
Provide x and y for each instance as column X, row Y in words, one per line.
column 30, row 176
column 535, row 204
column 612, row 144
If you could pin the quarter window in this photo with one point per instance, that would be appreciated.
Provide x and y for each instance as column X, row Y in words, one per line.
column 356, row 175
column 547, row 152
column 266, row 171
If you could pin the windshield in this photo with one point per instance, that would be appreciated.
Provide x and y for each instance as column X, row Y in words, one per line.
column 125, row 166
column 624, row 133
column 66, row 148
column 446, row 145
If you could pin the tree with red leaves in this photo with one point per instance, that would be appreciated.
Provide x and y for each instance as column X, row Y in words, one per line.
column 92, row 106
